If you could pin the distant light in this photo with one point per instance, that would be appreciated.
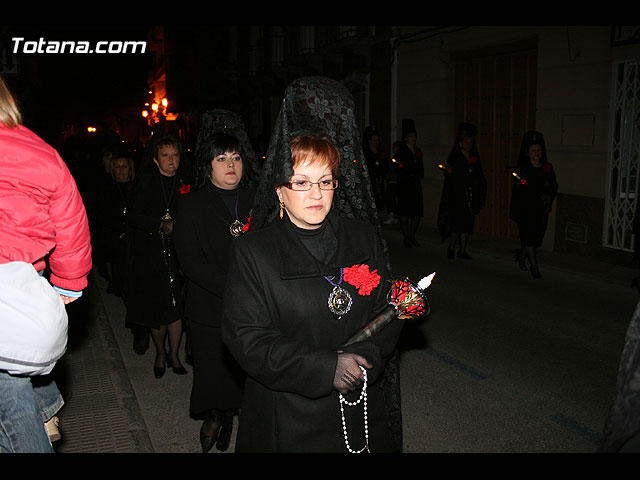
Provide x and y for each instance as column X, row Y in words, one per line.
column 91, row 129
column 145, row 114
column 165, row 102
column 154, row 107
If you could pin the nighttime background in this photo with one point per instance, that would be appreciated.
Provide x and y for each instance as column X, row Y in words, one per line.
column 60, row 92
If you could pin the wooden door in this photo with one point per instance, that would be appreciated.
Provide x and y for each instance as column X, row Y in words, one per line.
column 496, row 91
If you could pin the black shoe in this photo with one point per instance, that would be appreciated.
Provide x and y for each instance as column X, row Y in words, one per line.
column 450, row 254
column 464, row 255
column 207, row 443
column 521, row 261
column 158, row 372
column 535, row 273
column 414, row 242
column 224, row 437
column 177, row 369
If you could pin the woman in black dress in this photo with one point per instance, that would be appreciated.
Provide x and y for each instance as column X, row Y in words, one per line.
column 154, row 293
column 463, row 193
column 534, row 190
column 377, row 164
column 209, row 220
column 112, row 211
column 410, row 172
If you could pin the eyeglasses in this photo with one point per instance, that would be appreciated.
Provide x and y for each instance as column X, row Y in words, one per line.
column 304, row 185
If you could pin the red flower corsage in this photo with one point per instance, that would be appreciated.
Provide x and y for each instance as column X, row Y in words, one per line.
column 245, row 227
column 546, row 167
column 185, row 189
column 360, row 277
column 473, row 160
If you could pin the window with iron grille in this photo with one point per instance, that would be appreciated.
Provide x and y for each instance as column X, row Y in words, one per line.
column 623, row 158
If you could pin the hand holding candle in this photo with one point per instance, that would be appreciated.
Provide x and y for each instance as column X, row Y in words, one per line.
column 406, row 300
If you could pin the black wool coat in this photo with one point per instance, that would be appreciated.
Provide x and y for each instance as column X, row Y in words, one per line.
column 531, row 202
column 151, row 256
column 278, row 326
column 203, row 240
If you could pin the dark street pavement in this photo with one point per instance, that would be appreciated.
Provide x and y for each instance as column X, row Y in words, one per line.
column 505, row 363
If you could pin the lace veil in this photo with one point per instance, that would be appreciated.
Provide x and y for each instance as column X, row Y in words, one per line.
column 318, row 106
column 216, row 121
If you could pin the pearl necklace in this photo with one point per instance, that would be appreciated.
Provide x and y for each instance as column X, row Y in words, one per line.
column 363, row 398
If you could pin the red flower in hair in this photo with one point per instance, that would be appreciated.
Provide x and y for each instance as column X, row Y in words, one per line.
column 185, row 189
column 360, row 277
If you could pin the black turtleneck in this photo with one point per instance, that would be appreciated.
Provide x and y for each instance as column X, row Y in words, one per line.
column 229, row 198
column 321, row 242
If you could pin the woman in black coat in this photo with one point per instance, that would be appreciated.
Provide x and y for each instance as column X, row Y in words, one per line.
column 154, row 282
column 463, row 193
column 209, row 220
column 284, row 323
column 410, row 172
column 534, row 190
column 112, row 213
column 313, row 270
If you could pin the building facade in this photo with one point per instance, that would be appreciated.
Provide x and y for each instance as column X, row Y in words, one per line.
column 578, row 85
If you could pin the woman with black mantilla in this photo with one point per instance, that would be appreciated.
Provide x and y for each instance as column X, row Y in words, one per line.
column 292, row 298
column 463, row 193
column 532, row 195
column 209, row 219
column 154, row 282
column 410, row 172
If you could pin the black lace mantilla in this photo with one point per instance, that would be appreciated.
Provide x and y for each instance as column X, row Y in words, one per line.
column 324, row 107
column 217, row 121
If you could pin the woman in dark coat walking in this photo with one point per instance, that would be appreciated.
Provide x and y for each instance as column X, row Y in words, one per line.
column 311, row 272
column 534, row 190
column 154, row 292
column 463, row 193
column 410, row 172
column 209, row 220
column 112, row 215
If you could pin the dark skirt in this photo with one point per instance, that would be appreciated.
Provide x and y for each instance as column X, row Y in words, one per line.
column 153, row 298
column 462, row 219
column 217, row 378
column 532, row 229
column 409, row 199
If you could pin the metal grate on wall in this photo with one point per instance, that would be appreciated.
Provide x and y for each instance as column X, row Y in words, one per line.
column 624, row 158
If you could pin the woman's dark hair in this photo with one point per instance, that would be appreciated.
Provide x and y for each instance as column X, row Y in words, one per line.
column 219, row 144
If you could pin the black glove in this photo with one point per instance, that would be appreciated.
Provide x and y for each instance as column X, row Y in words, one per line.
column 348, row 375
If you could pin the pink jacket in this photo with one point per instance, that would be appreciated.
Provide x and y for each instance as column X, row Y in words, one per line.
column 41, row 210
